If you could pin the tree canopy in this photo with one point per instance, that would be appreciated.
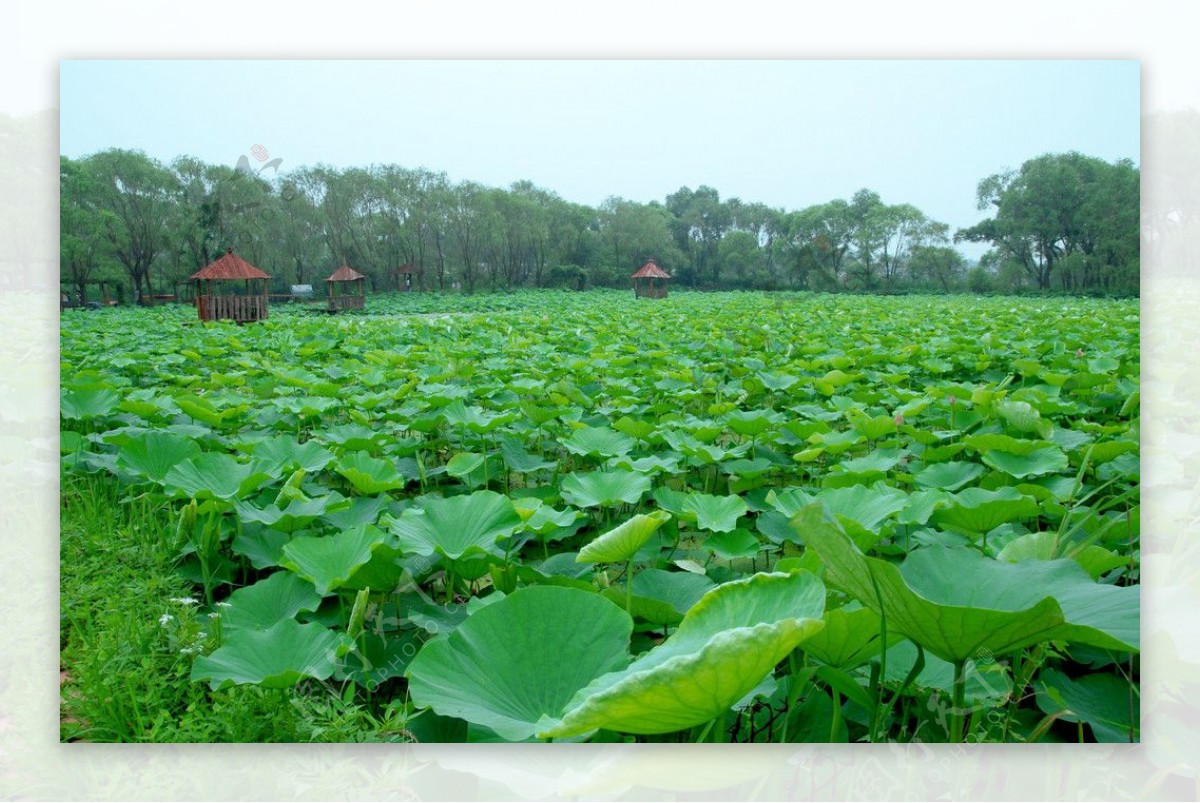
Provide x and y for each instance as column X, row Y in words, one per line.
column 1064, row 219
column 1064, row 222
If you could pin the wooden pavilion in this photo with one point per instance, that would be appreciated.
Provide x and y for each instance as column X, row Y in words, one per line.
column 650, row 281
column 407, row 270
column 231, row 289
column 347, row 289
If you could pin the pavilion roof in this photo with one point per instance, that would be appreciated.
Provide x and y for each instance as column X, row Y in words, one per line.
column 651, row 271
column 345, row 274
column 229, row 266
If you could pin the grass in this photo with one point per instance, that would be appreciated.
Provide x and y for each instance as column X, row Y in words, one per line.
column 127, row 670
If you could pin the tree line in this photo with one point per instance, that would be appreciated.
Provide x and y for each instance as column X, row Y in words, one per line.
column 1061, row 222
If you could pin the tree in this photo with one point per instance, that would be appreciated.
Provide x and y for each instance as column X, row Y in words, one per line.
column 138, row 194
column 1064, row 207
column 700, row 221
column 742, row 259
column 936, row 265
column 81, row 225
column 630, row 234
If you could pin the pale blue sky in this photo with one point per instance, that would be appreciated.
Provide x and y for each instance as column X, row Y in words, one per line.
column 785, row 133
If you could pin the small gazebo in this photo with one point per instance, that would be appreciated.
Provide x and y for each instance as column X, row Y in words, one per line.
column 231, row 289
column 650, row 281
column 347, row 289
column 407, row 270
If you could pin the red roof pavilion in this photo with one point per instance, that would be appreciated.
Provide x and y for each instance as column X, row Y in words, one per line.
column 650, row 281
column 346, row 276
column 226, row 303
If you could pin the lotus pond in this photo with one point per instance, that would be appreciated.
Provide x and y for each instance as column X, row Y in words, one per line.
column 581, row 517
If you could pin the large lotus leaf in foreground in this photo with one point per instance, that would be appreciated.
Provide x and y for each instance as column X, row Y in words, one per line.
column 852, row 636
column 153, row 454
column 623, row 541
column 330, row 562
column 725, row 645
column 275, row 658
column 280, row 596
column 213, row 474
column 954, row 601
column 522, row 658
column 525, row 666
column 604, row 488
column 457, row 526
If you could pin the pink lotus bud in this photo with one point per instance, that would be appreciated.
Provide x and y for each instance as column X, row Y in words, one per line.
column 953, row 401
column 899, row 419
column 1078, row 352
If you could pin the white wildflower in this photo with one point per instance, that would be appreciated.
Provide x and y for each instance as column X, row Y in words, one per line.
column 183, row 600
column 166, row 617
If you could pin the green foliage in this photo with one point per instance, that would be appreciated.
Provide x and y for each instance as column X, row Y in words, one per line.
column 296, row 513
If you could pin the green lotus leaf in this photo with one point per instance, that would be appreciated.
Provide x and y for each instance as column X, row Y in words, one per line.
column 752, row 423
column 353, row 437
column 880, row 460
column 280, row 595
column 276, row 658
column 948, row 476
column 623, row 541
column 861, row 509
column 1047, row 460
column 458, row 525
column 370, row 475
column 921, row 505
column 604, row 488
column 733, row 544
column 463, row 463
column 777, row 381
column 976, row 510
column 851, row 637
column 747, row 468
column 680, row 590
column 87, row 402
column 212, row 475
column 993, row 440
column 328, row 562
column 262, row 546
column 514, row 662
column 288, row 454
column 1022, row 417
column 376, row 658
column 716, row 513
column 296, row 514
column 954, row 601
column 1102, row 700
column 1095, row 560
column 474, row 418
column 776, row 527
column 202, row 409
column 872, row 428
column 359, row 510
column 521, row 461
column 153, row 454
column 545, row 520
column 598, row 442
column 725, row 645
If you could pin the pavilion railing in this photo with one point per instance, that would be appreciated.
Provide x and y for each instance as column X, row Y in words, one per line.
column 346, row 302
column 232, row 308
